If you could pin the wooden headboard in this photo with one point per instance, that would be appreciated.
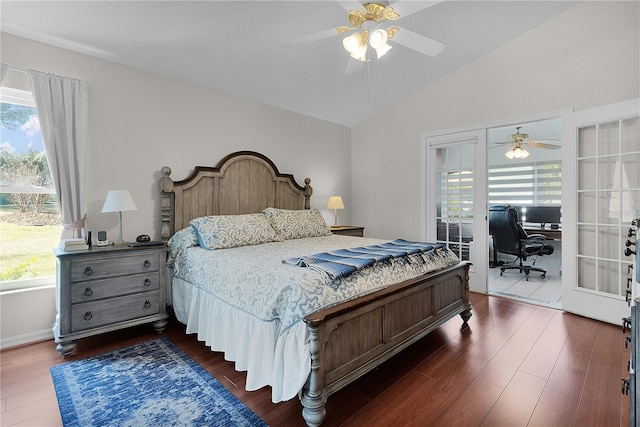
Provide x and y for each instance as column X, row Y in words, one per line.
column 241, row 183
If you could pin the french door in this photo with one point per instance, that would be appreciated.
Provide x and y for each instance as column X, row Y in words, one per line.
column 455, row 200
column 601, row 193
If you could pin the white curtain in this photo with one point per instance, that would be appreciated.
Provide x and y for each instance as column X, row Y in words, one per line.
column 63, row 111
column 3, row 72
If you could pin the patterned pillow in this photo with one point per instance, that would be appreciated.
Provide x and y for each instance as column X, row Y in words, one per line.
column 183, row 239
column 230, row 231
column 296, row 224
column 180, row 241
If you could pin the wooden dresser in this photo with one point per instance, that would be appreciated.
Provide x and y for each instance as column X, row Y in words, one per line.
column 102, row 289
column 348, row 230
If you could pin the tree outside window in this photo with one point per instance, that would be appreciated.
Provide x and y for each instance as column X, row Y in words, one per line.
column 29, row 213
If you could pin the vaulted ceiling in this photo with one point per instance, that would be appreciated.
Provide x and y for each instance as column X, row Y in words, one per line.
column 238, row 47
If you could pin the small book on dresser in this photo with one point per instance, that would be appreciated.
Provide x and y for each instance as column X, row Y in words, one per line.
column 73, row 244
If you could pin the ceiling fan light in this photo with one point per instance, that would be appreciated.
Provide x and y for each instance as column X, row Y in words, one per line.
column 361, row 53
column 378, row 38
column 352, row 43
column 382, row 50
column 517, row 153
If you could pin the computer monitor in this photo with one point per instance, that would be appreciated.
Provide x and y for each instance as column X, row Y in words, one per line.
column 543, row 214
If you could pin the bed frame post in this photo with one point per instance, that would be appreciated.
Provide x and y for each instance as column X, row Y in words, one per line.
column 166, row 204
column 466, row 314
column 313, row 397
column 308, row 191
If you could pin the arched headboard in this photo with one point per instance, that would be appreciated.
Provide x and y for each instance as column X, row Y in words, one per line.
column 243, row 182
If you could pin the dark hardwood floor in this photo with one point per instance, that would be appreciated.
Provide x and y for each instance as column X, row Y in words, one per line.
column 516, row 365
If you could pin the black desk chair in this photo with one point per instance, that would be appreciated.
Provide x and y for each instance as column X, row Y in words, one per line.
column 510, row 238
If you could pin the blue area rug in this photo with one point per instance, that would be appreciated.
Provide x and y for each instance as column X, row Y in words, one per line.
column 152, row 383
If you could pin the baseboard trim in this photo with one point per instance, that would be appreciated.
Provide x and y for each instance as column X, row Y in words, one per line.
column 24, row 339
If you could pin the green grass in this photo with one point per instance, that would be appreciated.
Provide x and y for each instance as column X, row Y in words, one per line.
column 26, row 251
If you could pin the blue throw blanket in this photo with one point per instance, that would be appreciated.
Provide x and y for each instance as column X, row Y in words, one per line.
column 343, row 262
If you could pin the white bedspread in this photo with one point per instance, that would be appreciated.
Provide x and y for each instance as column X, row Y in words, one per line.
column 245, row 302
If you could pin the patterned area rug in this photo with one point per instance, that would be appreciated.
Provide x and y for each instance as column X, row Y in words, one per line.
column 152, row 383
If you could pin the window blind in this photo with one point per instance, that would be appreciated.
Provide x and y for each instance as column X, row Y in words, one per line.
column 537, row 183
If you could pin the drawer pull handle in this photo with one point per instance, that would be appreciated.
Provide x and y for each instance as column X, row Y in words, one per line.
column 88, row 316
column 88, row 271
column 147, row 283
column 146, row 264
column 88, row 292
column 147, row 305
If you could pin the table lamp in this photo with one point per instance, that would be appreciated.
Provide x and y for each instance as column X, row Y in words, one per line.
column 335, row 203
column 118, row 201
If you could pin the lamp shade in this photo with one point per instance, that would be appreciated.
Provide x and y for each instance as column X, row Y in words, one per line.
column 378, row 38
column 382, row 50
column 335, row 202
column 118, row 201
column 352, row 42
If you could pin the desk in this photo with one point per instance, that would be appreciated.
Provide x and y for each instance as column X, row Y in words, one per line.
column 547, row 232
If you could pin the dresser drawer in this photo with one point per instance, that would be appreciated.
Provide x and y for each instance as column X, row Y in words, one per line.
column 93, row 314
column 115, row 286
column 90, row 269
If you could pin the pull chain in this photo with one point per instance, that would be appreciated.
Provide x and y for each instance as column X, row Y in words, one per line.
column 368, row 82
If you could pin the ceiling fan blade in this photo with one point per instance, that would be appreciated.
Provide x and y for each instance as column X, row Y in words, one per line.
column 310, row 38
column 542, row 145
column 417, row 42
column 407, row 7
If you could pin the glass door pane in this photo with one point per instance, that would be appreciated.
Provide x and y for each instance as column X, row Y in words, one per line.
column 454, row 198
column 607, row 194
column 603, row 194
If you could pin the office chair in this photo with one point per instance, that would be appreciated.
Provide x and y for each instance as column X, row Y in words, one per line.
column 510, row 238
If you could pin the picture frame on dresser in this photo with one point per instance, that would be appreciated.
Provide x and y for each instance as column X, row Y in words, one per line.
column 103, row 289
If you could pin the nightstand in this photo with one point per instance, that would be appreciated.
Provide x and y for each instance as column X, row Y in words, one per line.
column 348, row 230
column 103, row 289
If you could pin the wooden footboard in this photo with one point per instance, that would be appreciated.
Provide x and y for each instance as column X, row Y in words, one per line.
column 348, row 340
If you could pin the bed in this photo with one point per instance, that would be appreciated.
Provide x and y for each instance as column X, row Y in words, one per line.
column 317, row 334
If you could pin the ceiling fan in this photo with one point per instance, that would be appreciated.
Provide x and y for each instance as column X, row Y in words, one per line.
column 520, row 140
column 369, row 28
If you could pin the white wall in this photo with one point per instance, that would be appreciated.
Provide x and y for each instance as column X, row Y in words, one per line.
column 139, row 122
column 584, row 57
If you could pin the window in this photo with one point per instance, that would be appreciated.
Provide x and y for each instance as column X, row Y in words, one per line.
column 537, row 183
column 29, row 212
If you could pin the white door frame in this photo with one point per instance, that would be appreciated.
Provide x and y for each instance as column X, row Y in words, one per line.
column 593, row 304
column 428, row 230
column 480, row 259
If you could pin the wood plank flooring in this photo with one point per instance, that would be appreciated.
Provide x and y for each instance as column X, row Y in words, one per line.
column 516, row 365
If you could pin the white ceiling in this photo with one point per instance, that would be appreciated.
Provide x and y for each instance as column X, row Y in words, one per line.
column 237, row 47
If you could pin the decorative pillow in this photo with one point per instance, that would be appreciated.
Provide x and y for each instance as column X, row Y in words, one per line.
column 180, row 241
column 296, row 224
column 230, row 231
column 183, row 239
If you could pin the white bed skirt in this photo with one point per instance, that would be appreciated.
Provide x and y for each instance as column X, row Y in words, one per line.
column 281, row 361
